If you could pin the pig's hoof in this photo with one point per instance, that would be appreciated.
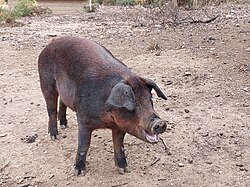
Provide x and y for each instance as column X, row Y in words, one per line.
column 63, row 123
column 123, row 170
column 63, row 126
column 53, row 138
column 78, row 172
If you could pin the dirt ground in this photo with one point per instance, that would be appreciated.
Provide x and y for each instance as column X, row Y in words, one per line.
column 203, row 68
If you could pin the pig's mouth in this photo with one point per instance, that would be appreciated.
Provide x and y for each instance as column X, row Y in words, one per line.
column 150, row 137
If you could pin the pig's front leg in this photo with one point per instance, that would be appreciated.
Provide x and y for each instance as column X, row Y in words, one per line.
column 84, row 138
column 119, row 153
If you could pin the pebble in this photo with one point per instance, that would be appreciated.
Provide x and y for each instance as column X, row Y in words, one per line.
column 52, row 34
column 217, row 95
column 180, row 164
column 3, row 135
column 229, row 16
column 158, row 26
column 245, row 89
column 187, row 73
column 239, row 165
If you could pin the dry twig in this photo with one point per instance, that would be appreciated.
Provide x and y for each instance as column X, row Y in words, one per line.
column 1, row 169
column 155, row 161
column 166, row 147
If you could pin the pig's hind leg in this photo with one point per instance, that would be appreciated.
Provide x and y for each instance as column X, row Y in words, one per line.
column 62, row 115
column 48, row 86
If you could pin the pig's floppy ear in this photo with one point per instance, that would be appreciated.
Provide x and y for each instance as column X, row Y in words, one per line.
column 152, row 84
column 122, row 96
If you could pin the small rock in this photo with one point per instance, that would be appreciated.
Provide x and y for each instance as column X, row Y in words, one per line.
column 52, row 34
column 186, row 110
column 180, row 164
column 217, row 95
column 167, row 109
column 245, row 89
column 243, row 169
column 3, row 135
column 239, row 165
column 248, row 49
column 158, row 26
column 187, row 73
column 229, row 16
column 51, row 176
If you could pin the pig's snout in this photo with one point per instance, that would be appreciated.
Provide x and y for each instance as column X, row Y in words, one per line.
column 159, row 126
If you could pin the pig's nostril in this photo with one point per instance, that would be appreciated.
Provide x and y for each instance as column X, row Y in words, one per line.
column 159, row 127
column 156, row 127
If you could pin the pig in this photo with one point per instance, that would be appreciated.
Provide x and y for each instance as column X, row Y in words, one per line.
column 85, row 77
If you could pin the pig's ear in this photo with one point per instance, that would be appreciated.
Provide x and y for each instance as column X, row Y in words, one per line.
column 122, row 96
column 152, row 84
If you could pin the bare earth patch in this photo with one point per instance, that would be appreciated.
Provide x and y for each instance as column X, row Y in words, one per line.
column 204, row 69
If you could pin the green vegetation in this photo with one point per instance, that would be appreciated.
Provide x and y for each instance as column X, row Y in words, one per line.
column 25, row 8
column 22, row 8
column 7, row 16
column 125, row 2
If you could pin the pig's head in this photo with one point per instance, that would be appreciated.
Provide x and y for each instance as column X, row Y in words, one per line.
column 132, row 108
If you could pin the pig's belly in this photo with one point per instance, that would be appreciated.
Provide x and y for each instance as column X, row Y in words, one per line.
column 66, row 89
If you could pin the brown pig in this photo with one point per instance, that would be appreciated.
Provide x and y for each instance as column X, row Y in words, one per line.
column 102, row 91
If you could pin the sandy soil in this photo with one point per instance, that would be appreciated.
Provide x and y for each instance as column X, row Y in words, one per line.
column 203, row 68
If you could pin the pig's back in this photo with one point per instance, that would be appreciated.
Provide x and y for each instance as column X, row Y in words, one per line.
column 78, row 57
